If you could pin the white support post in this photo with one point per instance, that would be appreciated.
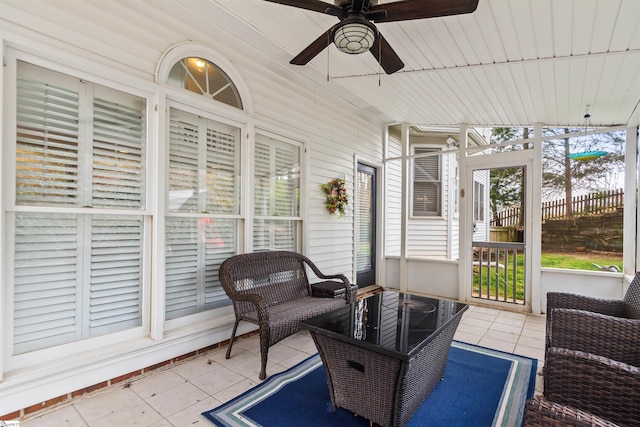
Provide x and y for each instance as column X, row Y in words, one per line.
column 404, row 220
column 535, row 223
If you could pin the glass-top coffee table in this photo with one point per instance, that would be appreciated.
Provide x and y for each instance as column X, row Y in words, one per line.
column 384, row 354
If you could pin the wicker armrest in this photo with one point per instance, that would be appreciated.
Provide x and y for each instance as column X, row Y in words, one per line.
column 595, row 384
column 543, row 413
column 581, row 302
column 612, row 337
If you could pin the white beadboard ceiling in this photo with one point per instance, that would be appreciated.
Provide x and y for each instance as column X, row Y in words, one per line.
column 511, row 62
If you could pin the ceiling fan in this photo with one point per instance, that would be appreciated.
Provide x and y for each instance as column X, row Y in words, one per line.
column 356, row 32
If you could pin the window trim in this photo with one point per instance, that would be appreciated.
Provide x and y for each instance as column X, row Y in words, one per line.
column 10, row 208
column 433, row 148
column 192, row 49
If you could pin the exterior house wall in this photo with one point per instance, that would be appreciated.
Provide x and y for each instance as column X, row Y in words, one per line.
column 126, row 56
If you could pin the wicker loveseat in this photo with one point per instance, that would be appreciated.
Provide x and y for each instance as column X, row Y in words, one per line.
column 272, row 290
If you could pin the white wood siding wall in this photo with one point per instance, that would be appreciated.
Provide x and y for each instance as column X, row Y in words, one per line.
column 117, row 44
column 428, row 236
column 393, row 195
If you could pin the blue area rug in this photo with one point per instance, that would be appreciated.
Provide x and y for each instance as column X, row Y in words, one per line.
column 481, row 387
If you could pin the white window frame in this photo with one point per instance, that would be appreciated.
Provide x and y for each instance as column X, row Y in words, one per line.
column 299, row 218
column 183, row 103
column 434, row 149
column 11, row 361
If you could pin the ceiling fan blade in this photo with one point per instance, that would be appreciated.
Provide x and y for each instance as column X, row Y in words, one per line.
column 406, row 10
column 314, row 5
column 310, row 52
column 386, row 56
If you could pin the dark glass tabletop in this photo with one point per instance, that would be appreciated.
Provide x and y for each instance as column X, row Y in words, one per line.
column 388, row 322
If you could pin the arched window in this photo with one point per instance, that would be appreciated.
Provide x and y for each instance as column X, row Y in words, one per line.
column 204, row 78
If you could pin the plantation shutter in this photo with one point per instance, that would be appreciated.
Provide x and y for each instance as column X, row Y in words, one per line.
column 261, row 196
column 116, row 273
column 46, row 144
column 183, row 162
column 277, row 194
column 181, row 293
column 77, row 145
column 46, row 277
column 426, row 184
column 222, row 156
column 118, row 137
column 204, row 166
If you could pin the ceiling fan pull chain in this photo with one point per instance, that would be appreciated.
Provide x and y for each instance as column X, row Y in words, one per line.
column 328, row 54
column 379, row 64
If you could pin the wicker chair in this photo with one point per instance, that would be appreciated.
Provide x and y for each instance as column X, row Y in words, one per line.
column 609, row 328
column 589, row 383
column 272, row 290
column 543, row 413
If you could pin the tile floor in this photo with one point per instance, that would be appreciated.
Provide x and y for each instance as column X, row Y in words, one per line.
column 176, row 396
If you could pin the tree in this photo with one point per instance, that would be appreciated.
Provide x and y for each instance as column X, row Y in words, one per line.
column 563, row 176
column 507, row 184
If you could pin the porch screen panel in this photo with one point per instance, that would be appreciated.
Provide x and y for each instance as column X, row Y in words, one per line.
column 78, row 145
column 276, row 195
column 204, row 198
column 426, row 184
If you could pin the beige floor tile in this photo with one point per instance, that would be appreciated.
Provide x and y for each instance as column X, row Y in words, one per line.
column 502, row 336
column 138, row 413
column 532, row 333
column 497, row 344
column 477, row 322
column 243, row 362
column 533, row 352
column 58, row 417
column 534, row 342
column 217, row 380
column 467, row 337
column 235, row 390
column 105, row 402
column 176, row 399
column 195, row 368
column 505, row 327
column 156, row 383
column 512, row 319
column 471, row 329
column 192, row 415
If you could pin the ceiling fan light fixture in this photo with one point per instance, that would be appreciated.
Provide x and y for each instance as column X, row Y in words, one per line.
column 356, row 36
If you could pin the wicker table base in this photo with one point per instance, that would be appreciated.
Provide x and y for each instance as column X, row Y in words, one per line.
column 379, row 386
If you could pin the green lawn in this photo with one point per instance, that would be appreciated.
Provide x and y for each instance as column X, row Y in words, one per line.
column 492, row 279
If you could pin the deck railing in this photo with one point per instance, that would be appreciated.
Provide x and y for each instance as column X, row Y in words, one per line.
column 498, row 272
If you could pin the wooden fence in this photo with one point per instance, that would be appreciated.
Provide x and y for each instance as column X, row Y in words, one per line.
column 588, row 204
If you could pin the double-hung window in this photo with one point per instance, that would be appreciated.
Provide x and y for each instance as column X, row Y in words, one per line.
column 77, row 223
column 427, row 183
column 203, row 211
column 277, row 217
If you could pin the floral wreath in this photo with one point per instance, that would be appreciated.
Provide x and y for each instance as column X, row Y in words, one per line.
column 337, row 198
